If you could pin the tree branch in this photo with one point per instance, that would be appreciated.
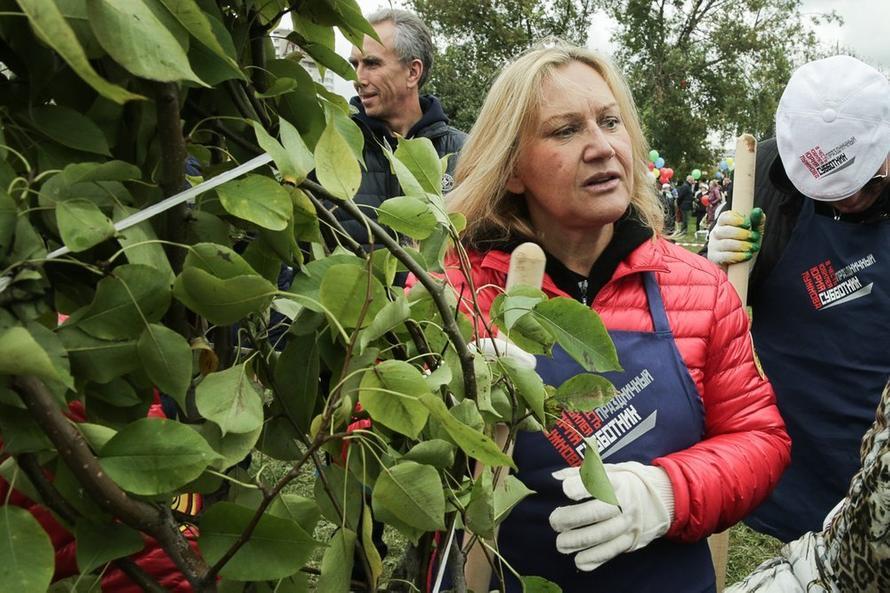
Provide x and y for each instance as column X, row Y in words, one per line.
column 172, row 180
column 54, row 500
column 437, row 291
column 76, row 454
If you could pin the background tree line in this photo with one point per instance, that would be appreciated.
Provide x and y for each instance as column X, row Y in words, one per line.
column 697, row 68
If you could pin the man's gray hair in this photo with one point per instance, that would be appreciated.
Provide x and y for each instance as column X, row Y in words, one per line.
column 412, row 40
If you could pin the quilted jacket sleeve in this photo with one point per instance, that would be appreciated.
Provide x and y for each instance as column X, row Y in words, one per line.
column 745, row 447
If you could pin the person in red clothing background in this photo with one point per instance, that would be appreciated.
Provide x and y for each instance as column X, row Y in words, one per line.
column 693, row 440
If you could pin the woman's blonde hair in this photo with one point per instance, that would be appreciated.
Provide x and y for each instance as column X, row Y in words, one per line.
column 511, row 108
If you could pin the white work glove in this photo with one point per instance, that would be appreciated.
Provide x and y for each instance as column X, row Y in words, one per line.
column 596, row 531
column 736, row 238
column 492, row 348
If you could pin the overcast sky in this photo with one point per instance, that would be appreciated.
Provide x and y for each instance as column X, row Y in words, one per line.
column 866, row 30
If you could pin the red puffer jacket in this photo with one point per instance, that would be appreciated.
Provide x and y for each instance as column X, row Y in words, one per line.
column 152, row 559
column 745, row 447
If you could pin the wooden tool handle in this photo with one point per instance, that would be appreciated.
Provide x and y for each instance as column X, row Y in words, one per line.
column 742, row 202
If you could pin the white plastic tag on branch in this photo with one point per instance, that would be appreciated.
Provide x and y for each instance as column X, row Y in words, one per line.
column 177, row 199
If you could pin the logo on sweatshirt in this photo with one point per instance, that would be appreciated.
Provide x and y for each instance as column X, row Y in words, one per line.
column 610, row 427
column 828, row 287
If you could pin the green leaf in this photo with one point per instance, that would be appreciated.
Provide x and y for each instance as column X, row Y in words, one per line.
column 193, row 19
column 95, row 434
column 336, row 167
column 580, row 331
column 584, row 392
column 523, row 330
column 389, row 392
column 472, row 442
column 107, row 171
column 98, row 360
column 141, row 243
column 411, row 494
column 392, row 314
column 21, row 354
column 421, row 158
column 594, row 476
column 230, row 400
column 51, row 26
column 131, row 34
column 528, row 385
column 125, row 301
column 296, row 374
column 538, row 585
column 20, row 433
column 336, row 564
column 308, row 281
column 222, row 302
column 344, row 290
column 82, row 224
column 480, row 510
column 409, row 216
column 8, row 216
column 100, row 544
column 279, row 87
column 69, row 128
column 277, row 548
column 507, row 495
column 297, row 508
column 153, row 456
column 435, row 452
column 375, row 562
column 27, row 559
column 208, row 65
column 232, row 448
column 257, row 199
column 281, row 156
column 301, row 157
column 348, row 493
column 167, row 359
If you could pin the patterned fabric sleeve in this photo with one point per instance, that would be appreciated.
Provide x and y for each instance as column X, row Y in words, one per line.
column 852, row 555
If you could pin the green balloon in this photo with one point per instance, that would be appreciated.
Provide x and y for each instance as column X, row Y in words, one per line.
column 696, row 174
column 653, row 155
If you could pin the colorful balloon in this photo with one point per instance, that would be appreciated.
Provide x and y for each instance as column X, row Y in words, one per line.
column 724, row 165
column 696, row 174
column 705, row 201
column 651, row 165
column 653, row 155
column 669, row 172
column 659, row 163
column 718, row 175
column 655, row 173
column 730, row 163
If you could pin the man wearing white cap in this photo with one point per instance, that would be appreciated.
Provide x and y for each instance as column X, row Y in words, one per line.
column 820, row 287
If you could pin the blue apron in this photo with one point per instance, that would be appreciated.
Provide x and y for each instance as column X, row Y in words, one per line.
column 822, row 332
column 658, row 411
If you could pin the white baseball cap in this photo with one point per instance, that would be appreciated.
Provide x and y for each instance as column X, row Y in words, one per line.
column 833, row 127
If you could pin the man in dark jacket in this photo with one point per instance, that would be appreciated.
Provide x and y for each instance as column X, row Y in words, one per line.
column 684, row 204
column 389, row 76
column 820, row 288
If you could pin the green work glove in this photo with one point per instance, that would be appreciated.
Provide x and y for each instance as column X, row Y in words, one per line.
column 736, row 238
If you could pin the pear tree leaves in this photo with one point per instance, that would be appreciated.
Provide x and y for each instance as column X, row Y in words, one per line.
column 594, row 476
column 230, row 399
column 390, row 391
column 26, row 552
column 260, row 200
column 153, row 456
column 167, row 359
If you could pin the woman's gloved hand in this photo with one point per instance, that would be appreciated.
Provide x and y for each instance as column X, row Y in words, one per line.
column 492, row 348
column 595, row 532
column 736, row 238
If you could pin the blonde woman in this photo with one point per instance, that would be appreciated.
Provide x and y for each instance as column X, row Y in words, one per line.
column 695, row 442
